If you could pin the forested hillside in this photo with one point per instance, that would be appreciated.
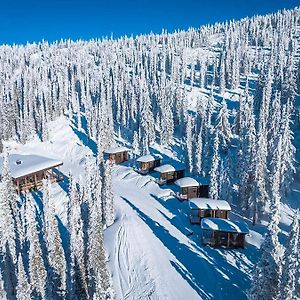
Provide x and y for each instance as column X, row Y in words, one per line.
column 222, row 99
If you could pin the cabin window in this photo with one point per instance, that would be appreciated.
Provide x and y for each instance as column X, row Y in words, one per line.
column 222, row 236
column 208, row 213
column 170, row 175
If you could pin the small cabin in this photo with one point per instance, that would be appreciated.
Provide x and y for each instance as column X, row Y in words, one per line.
column 29, row 171
column 188, row 187
column 147, row 163
column 168, row 173
column 223, row 233
column 116, row 154
column 208, row 208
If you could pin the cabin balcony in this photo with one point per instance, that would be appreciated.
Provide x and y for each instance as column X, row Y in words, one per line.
column 35, row 181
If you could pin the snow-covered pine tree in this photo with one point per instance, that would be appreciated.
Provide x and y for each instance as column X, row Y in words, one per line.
column 290, row 262
column 56, row 255
column 8, row 230
column 226, row 178
column 3, row 294
column 135, row 144
column 266, row 276
column 99, row 283
column 37, row 271
column 223, row 126
column 78, row 268
column 198, row 154
column 214, row 171
column 288, row 153
column 23, row 286
column 207, row 135
column 189, row 143
column 259, row 196
column 107, row 196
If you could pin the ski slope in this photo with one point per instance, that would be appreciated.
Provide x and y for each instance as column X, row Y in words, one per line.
column 153, row 251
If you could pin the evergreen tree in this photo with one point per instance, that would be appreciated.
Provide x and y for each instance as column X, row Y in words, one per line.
column 290, row 262
column 56, row 255
column 266, row 278
column 214, row 171
column 98, row 275
column 3, row 294
column 107, row 196
column 37, row 271
column 189, row 144
column 78, row 268
column 23, row 286
column 8, row 230
column 223, row 127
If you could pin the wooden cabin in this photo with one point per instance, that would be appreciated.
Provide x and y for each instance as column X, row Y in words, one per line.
column 116, row 154
column 223, row 233
column 168, row 173
column 188, row 187
column 147, row 163
column 208, row 208
column 29, row 171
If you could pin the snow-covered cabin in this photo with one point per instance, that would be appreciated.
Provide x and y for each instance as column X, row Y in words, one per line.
column 168, row 173
column 188, row 187
column 148, row 162
column 208, row 208
column 28, row 171
column 223, row 232
column 116, row 154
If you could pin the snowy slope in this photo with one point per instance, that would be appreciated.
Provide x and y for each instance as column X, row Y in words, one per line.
column 153, row 251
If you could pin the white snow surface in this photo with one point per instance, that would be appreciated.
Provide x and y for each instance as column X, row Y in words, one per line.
column 116, row 150
column 217, row 224
column 149, row 158
column 186, row 182
column 167, row 168
column 206, row 203
column 153, row 252
column 28, row 164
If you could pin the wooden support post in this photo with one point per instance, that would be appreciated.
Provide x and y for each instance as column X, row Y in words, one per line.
column 35, row 180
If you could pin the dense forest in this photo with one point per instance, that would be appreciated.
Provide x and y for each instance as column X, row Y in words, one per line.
column 141, row 88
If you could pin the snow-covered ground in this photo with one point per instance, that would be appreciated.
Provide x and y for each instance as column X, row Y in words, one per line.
column 153, row 252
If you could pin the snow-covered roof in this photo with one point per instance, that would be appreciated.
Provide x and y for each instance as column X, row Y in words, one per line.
column 22, row 165
column 186, row 182
column 168, row 168
column 206, row 203
column 116, row 150
column 149, row 158
column 217, row 224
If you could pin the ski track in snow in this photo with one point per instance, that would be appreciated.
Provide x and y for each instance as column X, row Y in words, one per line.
column 133, row 284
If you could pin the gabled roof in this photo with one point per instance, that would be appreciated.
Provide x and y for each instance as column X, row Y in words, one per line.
column 149, row 158
column 206, row 203
column 186, row 182
column 168, row 168
column 23, row 165
column 116, row 150
column 217, row 224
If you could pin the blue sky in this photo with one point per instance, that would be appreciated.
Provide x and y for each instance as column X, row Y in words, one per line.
column 32, row 20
